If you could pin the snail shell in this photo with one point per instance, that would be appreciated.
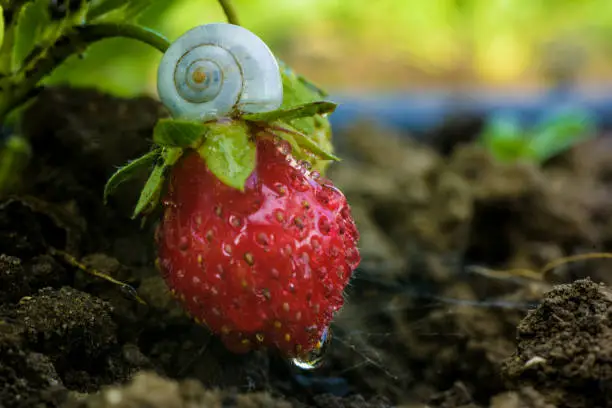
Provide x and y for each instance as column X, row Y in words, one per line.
column 217, row 69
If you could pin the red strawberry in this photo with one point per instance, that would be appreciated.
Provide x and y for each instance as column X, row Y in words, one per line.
column 263, row 267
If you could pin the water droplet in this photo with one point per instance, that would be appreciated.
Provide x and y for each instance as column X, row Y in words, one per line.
column 284, row 147
column 304, row 164
column 227, row 250
column 262, row 239
column 235, row 221
column 183, row 243
column 315, row 358
column 315, row 175
column 299, row 183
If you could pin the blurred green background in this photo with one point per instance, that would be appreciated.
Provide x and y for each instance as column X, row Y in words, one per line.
column 373, row 46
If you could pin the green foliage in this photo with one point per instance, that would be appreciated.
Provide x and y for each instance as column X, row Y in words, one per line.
column 300, row 142
column 32, row 28
column 126, row 172
column 178, row 133
column 493, row 39
column 298, row 91
column 118, row 10
column 507, row 140
column 229, row 152
column 149, row 196
column 307, row 110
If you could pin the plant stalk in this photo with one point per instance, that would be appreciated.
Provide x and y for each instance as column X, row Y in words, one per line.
column 43, row 61
column 230, row 11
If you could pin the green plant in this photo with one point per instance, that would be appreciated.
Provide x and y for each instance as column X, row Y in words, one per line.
column 508, row 140
column 254, row 138
column 37, row 36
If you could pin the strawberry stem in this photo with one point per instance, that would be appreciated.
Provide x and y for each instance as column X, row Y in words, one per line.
column 230, row 11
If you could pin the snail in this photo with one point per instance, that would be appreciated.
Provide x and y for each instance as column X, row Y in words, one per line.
column 216, row 70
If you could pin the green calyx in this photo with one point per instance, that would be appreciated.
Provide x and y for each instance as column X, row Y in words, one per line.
column 227, row 146
column 297, row 90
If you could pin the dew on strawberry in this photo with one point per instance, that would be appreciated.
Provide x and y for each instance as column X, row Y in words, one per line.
column 255, row 243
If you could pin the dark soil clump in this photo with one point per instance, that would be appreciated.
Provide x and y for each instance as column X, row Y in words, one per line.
column 565, row 346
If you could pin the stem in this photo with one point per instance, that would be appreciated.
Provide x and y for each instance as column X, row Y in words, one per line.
column 100, row 31
column 41, row 64
column 230, row 11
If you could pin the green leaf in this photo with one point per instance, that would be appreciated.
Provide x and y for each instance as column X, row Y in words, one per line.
column 507, row 150
column 504, row 138
column 299, row 91
column 288, row 114
column 311, row 87
column 229, row 153
column 149, row 196
column 559, row 134
column 32, row 23
column 118, row 10
column 178, row 133
column 281, row 130
column 126, row 172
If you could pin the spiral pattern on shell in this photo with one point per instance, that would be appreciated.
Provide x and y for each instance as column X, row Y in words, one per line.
column 218, row 69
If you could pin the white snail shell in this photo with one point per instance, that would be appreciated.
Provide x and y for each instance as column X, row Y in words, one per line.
column 216, row 69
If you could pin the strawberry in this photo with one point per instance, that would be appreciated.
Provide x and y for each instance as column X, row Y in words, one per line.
column 266, row 266
column 255, row 245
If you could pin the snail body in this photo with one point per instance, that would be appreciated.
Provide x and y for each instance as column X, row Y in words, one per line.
column 216, row 70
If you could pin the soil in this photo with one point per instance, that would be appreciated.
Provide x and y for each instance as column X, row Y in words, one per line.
column 430, row 319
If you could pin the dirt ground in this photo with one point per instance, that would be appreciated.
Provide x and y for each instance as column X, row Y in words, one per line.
column 428, row 321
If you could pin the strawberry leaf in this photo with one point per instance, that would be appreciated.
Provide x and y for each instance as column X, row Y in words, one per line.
column 281, row 130
column 306, row 84
column 306, row 110
column 298, row 91
column 178, row 133
column 229, row 153
column 149, row 197
column 126, row 172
